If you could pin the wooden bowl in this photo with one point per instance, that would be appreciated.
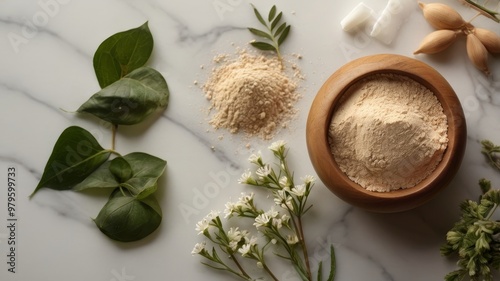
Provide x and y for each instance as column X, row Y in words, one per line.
column 325, row 104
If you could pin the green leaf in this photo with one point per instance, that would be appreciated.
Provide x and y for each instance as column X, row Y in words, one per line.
column 101, row 178
column 320, row 271
column 122, row 53
column 136, row 172
column 146, row 170
column 125, row 218
column 333, row 264
column 259, row 16
column 263, row 46
column 276, row 21
column 75, row 155
column 131, row 99
column 121, row 169
column 280, row 29
column 277, row 37
column 260, row 33
column 284, row 35
column 272, row 13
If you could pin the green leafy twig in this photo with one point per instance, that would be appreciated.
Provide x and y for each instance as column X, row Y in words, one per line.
column 130, row 93
column 475, row 238
column 275, row 33
column 485, row 11
column 490, row 150
column 282, row 228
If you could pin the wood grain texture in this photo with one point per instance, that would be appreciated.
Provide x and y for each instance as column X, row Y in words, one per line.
column 321, row 113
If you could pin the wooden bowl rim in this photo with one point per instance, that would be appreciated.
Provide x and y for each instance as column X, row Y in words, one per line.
column 333, row 90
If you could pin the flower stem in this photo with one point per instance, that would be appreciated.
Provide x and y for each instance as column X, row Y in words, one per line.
column 243, row 272
column 266, row 268
column 304, row 247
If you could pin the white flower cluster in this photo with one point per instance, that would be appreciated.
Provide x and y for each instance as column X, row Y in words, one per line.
column 281, row 230
column 203, row 225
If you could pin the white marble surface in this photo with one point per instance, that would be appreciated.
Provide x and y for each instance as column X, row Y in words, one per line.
column 52, row 70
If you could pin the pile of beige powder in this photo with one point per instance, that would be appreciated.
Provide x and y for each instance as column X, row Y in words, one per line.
column 251, row 94
column 389, row 132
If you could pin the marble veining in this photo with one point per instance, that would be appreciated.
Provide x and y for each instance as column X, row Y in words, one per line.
column 46, row 72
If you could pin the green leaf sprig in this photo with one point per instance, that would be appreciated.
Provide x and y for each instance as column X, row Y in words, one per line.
column 275, row 34
column 130, row 93
column 490, row 150
column 485, row 11
column 281, row 228
column 475, row 238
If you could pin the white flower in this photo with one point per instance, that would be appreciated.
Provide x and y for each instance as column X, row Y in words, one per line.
column 198, row 248
column 292, row 239
column 245, row 234
column 245, row 178
column 252, row 240
column 272, row 213
column 255, row 158
column 263, row 171
column 262, row 220
column 308, row 179
column 212, row 215
column 284, row 182
column 288, row 203
column 280, row 197
column 245, row 198
column 299, row 190
column 234, row 234
column 231, row 208
column 277, row 146
column 278, row 223
column 285, row 219
column 233, row 245
column 202, row 226
column 245, row 250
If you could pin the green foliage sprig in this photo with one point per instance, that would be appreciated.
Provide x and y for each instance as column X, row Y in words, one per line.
column 275, row 34
column 281, row 229
column 490, row 150
column 130, row 93
column 475, row 238
column 485, row 11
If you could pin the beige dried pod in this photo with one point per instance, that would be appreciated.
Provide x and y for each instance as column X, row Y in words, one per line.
column 477, row 53
column 441, row 16
column 437, row 41
column 490, row 40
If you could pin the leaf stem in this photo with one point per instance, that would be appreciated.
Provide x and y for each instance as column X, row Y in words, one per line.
column 304, row 247
column 243, row 272
column 266, row 268
column 114, row 128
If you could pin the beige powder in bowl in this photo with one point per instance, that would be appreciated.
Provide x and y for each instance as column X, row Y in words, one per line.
column 389, row 132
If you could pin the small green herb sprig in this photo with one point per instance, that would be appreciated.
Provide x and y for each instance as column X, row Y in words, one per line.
column 490, row 150
column 275, row 33
column 483, row 9
column 475, row 238
column 281, row 229
column 130, row 93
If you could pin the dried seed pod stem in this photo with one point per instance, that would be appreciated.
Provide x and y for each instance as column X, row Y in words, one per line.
column 441, row 16
column 477, row 53
column 437, row 41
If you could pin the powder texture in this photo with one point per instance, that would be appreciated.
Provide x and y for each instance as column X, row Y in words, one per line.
column 251, row 94
column 388, row 133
